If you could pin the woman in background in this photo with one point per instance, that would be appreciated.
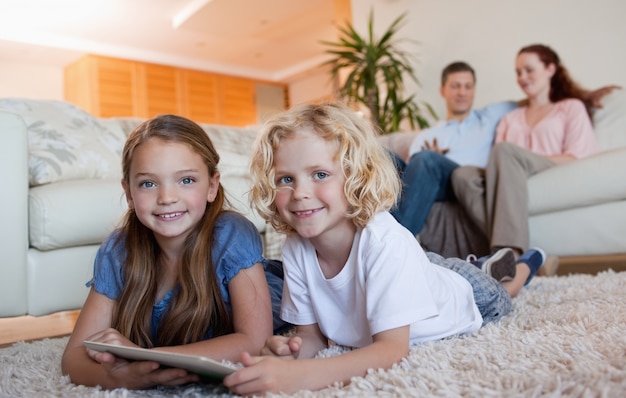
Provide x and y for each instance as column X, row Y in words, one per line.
column 552, row 127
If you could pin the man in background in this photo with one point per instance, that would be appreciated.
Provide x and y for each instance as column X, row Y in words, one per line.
column 464, row 138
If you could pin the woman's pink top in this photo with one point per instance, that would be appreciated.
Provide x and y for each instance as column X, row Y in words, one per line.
column 565, row 130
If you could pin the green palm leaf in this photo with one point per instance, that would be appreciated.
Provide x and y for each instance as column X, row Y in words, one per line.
column 375, row 78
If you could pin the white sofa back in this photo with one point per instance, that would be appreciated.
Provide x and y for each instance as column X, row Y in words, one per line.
column 74, row 171
column 609, row 122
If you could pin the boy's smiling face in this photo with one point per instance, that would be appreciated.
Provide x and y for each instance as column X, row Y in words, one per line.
column 310, row 183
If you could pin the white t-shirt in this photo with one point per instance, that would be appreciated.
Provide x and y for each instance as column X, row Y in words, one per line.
column 387, row 282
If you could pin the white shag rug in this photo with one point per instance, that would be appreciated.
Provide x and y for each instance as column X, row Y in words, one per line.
column 566, row 337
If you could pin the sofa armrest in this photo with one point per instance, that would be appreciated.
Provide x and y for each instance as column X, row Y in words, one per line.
column 14, row 205
column 400, row 142
column 590, row 181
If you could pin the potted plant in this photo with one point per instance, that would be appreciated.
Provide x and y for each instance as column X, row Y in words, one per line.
column 376, row 70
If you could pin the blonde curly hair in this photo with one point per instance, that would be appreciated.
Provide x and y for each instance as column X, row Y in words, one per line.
column 372, row 181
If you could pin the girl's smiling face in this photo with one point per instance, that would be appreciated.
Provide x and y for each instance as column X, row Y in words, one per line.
column 169, row 187
column 310, row 184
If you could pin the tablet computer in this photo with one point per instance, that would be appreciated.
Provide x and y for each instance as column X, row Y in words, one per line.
column 197, row 364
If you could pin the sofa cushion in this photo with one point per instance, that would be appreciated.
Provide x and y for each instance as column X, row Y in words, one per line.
column 82, row 212
column 400, row 142
column 66, row 142
column 231, row 139
column 235, row 178
column 585, row 182
column 74, row 213
column 584, row 231
column 56, row 278
column 609, row 122
column 126, row 123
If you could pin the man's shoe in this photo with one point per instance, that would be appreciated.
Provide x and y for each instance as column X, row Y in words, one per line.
column 499, row 265
column 534, row 259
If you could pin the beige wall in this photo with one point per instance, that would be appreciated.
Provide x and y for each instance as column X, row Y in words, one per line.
column 30, row 81
column 312, row 87
column 588, row 35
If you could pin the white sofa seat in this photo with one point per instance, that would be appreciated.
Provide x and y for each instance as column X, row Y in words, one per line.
column 56, row 280
column 598, row 230
column 577, row 209
column 594, row 183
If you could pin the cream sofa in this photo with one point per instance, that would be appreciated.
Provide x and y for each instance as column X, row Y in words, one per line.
column 576, row 211
column 62, row 195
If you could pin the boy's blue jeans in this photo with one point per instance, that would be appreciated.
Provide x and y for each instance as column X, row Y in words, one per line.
column 425, row 180
column 492, row 299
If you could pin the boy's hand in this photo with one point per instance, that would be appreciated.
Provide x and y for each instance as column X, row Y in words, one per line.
column 281, row 346
column 263, row 374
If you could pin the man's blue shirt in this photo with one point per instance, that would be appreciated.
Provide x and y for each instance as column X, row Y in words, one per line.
column 470, row 141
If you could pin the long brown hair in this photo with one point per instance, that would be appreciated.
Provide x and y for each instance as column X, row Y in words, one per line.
column 562, row 86
column 197, row 304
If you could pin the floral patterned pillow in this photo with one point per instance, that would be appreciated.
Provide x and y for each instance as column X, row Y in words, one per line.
column 65, row 142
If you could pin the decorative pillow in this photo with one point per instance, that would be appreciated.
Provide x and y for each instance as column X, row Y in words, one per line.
column 235, row 178
column 126, row 123
column 65, row 142
column 231, row 139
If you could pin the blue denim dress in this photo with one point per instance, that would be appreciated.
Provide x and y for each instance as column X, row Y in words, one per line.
column 237, row 246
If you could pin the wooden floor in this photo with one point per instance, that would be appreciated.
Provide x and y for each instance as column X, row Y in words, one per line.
column 61, row 323
column 591, row 264
column 32, row 328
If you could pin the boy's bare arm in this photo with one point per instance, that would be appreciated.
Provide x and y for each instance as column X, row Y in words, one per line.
column 270, row 374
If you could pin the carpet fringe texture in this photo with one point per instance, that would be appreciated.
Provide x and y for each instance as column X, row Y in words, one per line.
column 565, row 338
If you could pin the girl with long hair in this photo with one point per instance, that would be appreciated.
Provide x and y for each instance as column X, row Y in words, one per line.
column 183, row 273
